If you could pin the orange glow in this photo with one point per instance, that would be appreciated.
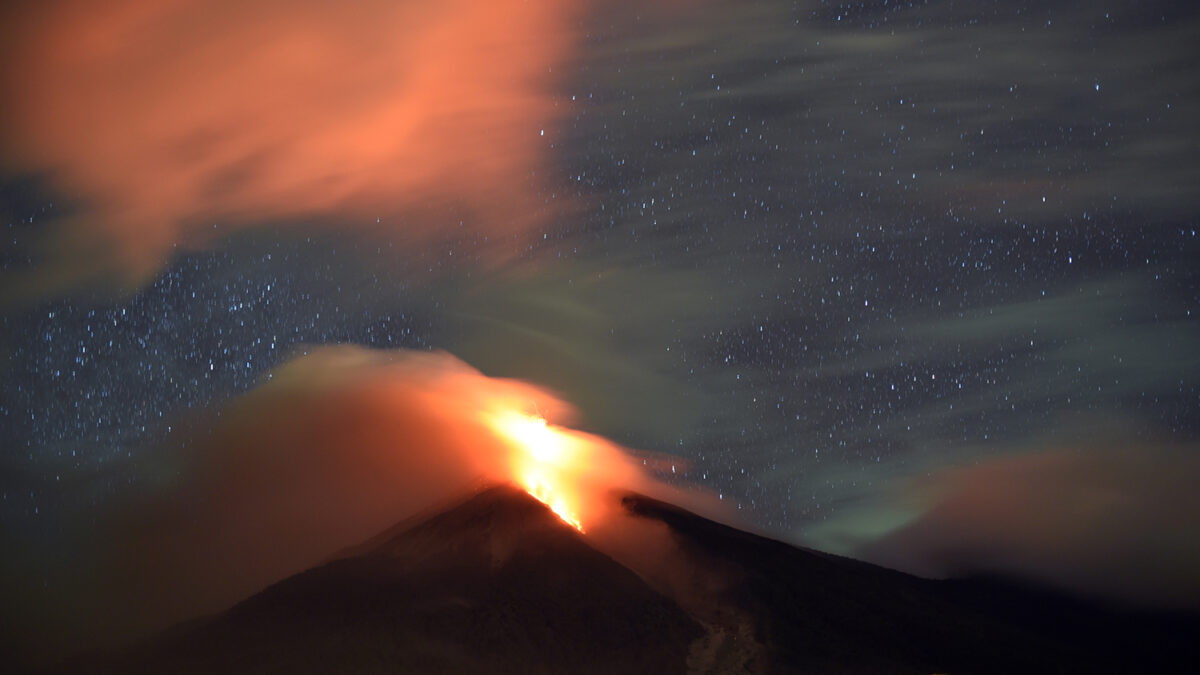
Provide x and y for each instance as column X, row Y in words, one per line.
column 545, row 461
column 545, row 494
column 543, row 443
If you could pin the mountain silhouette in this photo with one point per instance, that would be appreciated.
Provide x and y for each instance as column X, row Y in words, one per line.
column 499, row 584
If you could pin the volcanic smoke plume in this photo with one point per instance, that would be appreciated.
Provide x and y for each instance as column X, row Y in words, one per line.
column 160, row 120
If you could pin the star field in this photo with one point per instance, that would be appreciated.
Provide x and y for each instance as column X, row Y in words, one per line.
column 812, row 250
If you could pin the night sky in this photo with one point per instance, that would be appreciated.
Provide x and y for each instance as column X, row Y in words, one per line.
column 915, row 282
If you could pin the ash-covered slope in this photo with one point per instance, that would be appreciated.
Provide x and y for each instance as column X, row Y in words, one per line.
column 498, row 584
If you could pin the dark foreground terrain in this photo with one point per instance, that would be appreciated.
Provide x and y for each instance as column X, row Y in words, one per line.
column 498, row 584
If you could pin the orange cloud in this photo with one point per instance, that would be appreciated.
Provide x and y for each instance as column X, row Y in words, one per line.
column 163, row 118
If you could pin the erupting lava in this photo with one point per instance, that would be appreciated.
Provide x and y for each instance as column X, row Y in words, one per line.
column 544, row 494
column 546, row 464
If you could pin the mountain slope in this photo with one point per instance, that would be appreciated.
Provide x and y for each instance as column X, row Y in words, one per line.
column 499, row 584
column 816, row 612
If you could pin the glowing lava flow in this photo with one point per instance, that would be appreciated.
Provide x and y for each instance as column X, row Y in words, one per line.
column 543, row 494
column 544, row 465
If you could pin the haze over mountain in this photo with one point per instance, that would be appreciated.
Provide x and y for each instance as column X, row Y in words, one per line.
column 499, row 583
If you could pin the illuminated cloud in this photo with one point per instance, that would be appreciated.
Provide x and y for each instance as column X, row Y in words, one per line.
column 164, row 122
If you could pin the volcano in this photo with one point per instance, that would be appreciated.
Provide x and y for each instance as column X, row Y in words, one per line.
column 499, row 583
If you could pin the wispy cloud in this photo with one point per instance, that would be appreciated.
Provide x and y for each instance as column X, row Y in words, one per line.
column 165, row 123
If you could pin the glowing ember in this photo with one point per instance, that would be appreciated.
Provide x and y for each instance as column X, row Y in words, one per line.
column 543, row 494
column 547, row 463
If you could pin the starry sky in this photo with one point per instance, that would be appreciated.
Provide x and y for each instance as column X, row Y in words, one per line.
column 910, row 281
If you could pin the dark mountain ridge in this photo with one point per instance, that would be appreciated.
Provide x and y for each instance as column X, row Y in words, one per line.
column 499, row 584
column 818, row 612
